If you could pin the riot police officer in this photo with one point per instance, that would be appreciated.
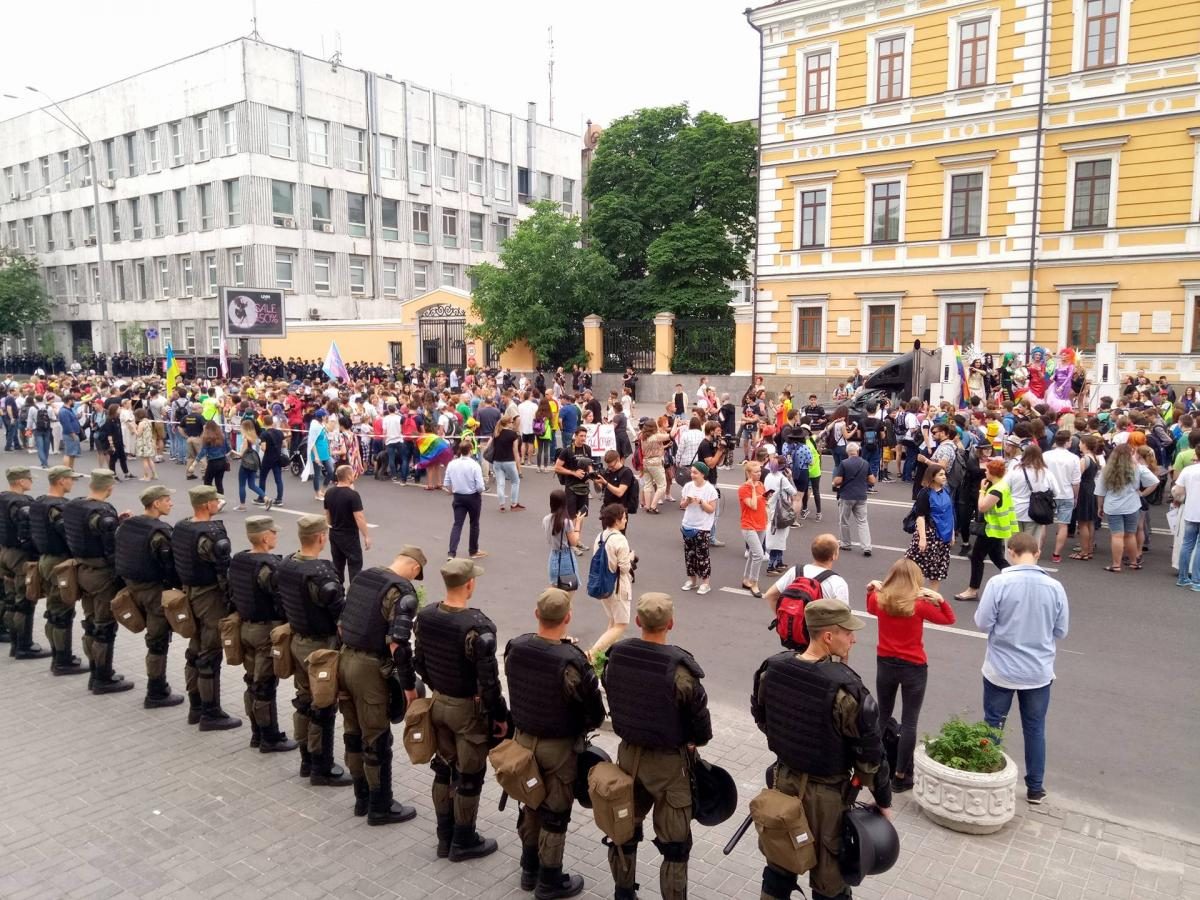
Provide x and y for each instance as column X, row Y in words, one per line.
column 17, row 552
column 252, row 589
column 823, row 725
column 376, row 625
column 659, row 711
column 201, row 549
column 556, row 701
column 311, row 595
column 145, row 564
column 455, row 653
column 50, row 540
column 91, row 526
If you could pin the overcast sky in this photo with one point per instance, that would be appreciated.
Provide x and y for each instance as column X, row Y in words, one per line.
column 610, row 56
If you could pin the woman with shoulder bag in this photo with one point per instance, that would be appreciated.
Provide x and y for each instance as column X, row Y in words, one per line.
column 251, row 457
column 781, row 512
column 562, row 534
column 1029, row 477
column 621, row 561
column 934, row 527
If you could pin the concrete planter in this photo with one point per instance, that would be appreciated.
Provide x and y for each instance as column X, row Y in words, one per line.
column 969, row 802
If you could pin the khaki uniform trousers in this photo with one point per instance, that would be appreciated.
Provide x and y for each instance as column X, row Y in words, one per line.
column 825, row 801
column 148, row 599
column 59, row 614
column 460, row 727
column 204, row 651
column 97, row 587
column 366, row 728
column 663, row 782
column 301, row 647
column 546, row 827
column 14, row 606
column 260, row 671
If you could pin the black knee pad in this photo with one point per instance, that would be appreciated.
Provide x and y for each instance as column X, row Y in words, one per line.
column 264, row 690
column 674, row 851
column 353, row 742
column 778, row 883
column 323, row 716
column 249, row 681
column 190, row 656
column 555, row 822
column 304, row 707
column 470, row 784
column 210, row 661
column 24, row 606
column 158, row 646
column 106, row 633
column 88, row 627
column 442, row 772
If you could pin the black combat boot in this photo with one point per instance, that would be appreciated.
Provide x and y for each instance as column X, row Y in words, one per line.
column 274, row 740
column 212, row 717
column 255, row 735
column 325, row 772
column 26, row 648
column 467, row 843
column 193, row 707
column 305, row 762
column 382, row 809
column 64, row 663
column 445, row 833
column 362, row 795
column 104, row 681
column 159, row 696
column 553, row 883
column 626, row 893
column 530, row 866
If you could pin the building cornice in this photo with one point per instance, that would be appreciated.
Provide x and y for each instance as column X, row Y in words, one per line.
column 966, row 159
column 1108, row 143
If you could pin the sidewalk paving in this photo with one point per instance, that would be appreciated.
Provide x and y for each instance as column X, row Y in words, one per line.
column 102, row 798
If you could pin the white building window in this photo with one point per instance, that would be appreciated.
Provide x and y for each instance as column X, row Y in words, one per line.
column 135, row 217
column 85, row 157
column 391, row 278
column 322, row 273
column 233, row 203
column 65, row 160
column 355, row 144
column 139, row 274
column 1101, row 34
column 818, row 66
column 389, row 154
column 972, row 40
column 420, row 276
column 180, row 197
column 164, row 337
column 545, row 186
column 503, row 229
column 885, row 202
column 358, row 275
column 419, row 162
column 450, row 228
column 237, row 265
column 449, row 275
column 960, row 317
column 114, row 221
column 76, row 295
column 889, row 65
column 202, row 145
column 420, row 223
column 356, row 213
column 284, row 264
column 476, row 233
column 153, row 160
column 475, row 174
column 214, row 338
column 503, row 175
column 448, row 169
column 229, row 131
column 279, row 133
column 321, row 204
column 1092, row 183
column 164, row 277
column 283, row 203
column 185, row 276
column 880, row 322
column 568, row 196
column 205, row 202
column 389, row 215
column 318, row 142
column 189, row 339
column 156, row 215
column 130, row 158
column 210, row 274
column 175, row 135
column 808, row 323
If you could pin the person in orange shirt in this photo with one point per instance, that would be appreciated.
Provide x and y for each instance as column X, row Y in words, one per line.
column 752, row 501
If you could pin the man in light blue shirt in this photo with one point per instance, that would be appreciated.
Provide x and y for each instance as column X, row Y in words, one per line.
column 1023, row 611
column 464, row 479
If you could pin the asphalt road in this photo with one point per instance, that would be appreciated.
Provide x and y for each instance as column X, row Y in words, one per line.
column 1122, row 725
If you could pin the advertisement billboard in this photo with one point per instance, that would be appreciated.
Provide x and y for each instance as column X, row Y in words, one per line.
column 252, row 313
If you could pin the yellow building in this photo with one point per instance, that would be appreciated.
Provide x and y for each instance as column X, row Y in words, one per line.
column 922, row 178
column 431, row 331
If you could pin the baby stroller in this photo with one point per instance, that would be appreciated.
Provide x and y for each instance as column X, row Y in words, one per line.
column 297, row 459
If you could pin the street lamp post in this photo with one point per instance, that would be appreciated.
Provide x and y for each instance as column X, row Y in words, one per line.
column 105, row 321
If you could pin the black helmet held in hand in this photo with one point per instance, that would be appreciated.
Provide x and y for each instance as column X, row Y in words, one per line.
column 870, row 844
column 592, row 754
column 714, row 793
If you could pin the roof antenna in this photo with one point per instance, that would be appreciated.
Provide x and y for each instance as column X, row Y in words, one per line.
column 550, row 69
column 336, row 59
column 254, row 35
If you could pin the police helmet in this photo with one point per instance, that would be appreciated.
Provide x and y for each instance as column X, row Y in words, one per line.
column 592, row 754
column 715, row 797
column 870, row 844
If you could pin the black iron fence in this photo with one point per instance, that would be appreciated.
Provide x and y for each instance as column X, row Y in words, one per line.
column 628, row 343
column 703, row 347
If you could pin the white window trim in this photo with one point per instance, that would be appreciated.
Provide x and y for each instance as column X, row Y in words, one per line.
column 327, row 258
column 873, row 40
column 1191, row 295
column 817, row 181
column 946, row 297
column 948, row 179
column 867, row 300
column 1069, row 213
column 1194, row 134
column 869, row 182
column 802, row 79
column 1079, row 36
column 820, row 301
column 954, row 35
column 1069, row 292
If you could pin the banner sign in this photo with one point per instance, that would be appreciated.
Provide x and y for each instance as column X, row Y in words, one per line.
column 252, row 313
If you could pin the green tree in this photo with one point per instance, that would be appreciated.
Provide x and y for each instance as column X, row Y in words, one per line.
column 672, row 207
column 545, row 285
column 23, row 299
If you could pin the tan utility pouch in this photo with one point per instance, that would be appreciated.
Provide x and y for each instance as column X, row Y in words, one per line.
column 783, row 832
column 281, row 651
column 66, row 576
column 323, row 677
column 231, row 638
column 518, row 773
column 611, row 790
column 34, row 589
column 178, row 611
column 419, row 741
column 126, row 612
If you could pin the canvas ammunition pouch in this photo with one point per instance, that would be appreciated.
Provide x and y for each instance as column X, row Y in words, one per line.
column 66, row 575
column 126, row 612
column 231, row 638
column 783, row 833
column 34, row 589
column 323, row 678
column 518, row 773
column 281, row 651
column 179, row 613
column 611, row 790
column 419, row 742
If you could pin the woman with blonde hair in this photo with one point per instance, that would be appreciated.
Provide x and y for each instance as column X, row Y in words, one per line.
column 1120, row 487
column 144, row 442
column 251, row 456
column 903, row 605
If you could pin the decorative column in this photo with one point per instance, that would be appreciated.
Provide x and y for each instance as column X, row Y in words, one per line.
column 664, row 342
column 593, row 342
column 743, row 339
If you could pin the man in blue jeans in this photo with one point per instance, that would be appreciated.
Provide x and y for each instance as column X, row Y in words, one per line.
column 1187, row 493
column 1023, row 611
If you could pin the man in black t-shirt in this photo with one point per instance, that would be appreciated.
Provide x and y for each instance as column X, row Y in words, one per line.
column 572, row 465
column 711, row 452
column 344, row 513
column 815, row 413
column 620, row 484
column 192, row 426
column 592, row 405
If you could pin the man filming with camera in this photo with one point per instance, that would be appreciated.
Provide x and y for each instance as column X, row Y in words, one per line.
column 573, row 465
column 712, row 453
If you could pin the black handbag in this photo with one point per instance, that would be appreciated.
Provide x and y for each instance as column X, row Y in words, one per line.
column 566, row 581
column 1041, row 503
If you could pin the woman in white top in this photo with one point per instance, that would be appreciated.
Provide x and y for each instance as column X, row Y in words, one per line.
column 621, row 560
column 1027, row 475
column 699, row 505
column 780, row 491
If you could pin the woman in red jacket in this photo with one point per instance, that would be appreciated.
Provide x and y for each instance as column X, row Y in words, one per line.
column 903, row 604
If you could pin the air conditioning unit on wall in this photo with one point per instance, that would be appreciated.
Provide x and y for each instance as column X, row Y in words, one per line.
column 314, row 313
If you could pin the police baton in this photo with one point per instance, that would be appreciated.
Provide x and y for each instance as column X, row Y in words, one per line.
column 503, row 800
column 745, row 826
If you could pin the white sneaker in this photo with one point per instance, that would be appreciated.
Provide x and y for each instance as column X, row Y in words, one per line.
column 703, row 589
column 686, row 586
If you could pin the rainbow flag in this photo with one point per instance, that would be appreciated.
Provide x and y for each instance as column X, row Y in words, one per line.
column 432, row 450
column 172, row 370
column 962, row 378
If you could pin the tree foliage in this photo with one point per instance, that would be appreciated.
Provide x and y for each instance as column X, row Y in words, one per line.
column 23, row 299
column 545, row 285
column 673, row 210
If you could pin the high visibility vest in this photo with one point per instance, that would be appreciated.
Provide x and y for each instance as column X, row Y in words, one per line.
column 814, row 467
column 1001, row 520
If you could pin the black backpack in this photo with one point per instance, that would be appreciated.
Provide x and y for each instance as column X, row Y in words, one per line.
column 1041, row 503
column 872, row 434
column 42, row 420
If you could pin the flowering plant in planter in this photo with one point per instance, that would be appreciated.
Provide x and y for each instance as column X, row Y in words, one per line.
column 967, row 746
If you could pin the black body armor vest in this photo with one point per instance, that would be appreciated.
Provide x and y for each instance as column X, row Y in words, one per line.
column 252, row 602
column 136, row 562
column 363, row 625
column 441, row 642
column 799, row 699
column 83, row 541
column 534, row 668
column 642, row 702
column 185, row 549
column 307, row 618
column 48, row 539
